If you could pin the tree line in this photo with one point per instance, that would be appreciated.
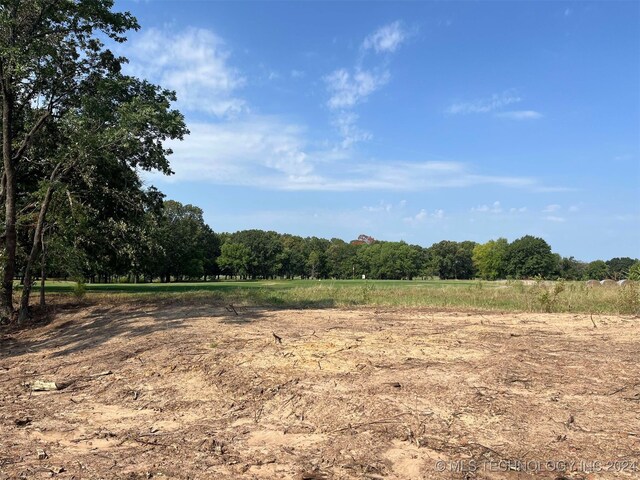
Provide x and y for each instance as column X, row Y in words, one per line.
column 172, row 242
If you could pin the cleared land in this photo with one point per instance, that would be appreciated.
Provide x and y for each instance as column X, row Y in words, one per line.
column 195, row 390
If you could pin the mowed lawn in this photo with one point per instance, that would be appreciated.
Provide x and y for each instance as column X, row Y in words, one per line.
column 226, row 286
column 450, row 294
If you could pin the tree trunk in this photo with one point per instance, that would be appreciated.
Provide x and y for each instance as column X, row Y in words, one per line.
column 43, row 272
column 9, row 261
column 35, row 248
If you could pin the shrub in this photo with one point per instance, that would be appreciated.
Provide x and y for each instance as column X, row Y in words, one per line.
column 79, row 290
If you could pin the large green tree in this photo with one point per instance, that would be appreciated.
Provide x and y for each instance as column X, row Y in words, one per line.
column 529, row 257
column 571, row 269
column 388, row 260
column 234, row 259
column 489, row 259
column 183, row 236
column 292, row 259
column 597, row 269
column 316, row 254
column 265, row 251
column 619, row 267
column 453, row 260
column 117, row 127
column 47, row 48
column 211, row 244
column 341, row 259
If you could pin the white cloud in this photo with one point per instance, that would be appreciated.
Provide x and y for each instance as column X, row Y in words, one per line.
column 422, row 175
column 574, row 208
column 251, row 152
column 424, row 215
column 269, row 153
column 420, row 216
column 346, row 123
column 553, row 218
column 520, row 115
column 402, row 176
column 348, row 89
column 495, row 208
column 497, row 101
column 297, row 73
column 194, row 63
column 494, row 104
column 386, row 39
column 381, row 207
column 551, row 208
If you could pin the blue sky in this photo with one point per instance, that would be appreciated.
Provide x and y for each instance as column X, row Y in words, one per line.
column 415, row 121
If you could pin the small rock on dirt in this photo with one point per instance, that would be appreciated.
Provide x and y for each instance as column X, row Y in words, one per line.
column 42, row 386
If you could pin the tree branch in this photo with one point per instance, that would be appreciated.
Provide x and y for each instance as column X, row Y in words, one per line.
column 27, row 140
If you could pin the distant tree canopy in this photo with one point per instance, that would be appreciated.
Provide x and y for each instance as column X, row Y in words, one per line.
column 619, row 267
column 529, row 257
column 453, row 260
column 168, row 241
column 597, row 269
column 489, row 259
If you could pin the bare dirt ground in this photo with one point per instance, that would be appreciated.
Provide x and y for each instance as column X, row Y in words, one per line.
column 198, row 392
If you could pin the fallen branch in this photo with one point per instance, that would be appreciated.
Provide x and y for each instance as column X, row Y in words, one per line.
column 374, row 422
column 152, row 444
column 624, row 387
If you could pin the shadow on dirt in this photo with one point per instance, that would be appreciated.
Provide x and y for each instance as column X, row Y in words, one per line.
column 94, row 325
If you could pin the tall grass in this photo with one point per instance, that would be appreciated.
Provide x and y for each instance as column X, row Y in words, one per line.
column 540, row 297
column 573, row 297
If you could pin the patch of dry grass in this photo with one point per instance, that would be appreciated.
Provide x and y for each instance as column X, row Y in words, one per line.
column 544, row 297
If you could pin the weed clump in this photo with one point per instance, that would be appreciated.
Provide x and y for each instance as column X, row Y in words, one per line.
column 628, row 300
column 548, row 296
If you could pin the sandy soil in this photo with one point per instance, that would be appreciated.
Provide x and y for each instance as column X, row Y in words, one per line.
column 198, row 392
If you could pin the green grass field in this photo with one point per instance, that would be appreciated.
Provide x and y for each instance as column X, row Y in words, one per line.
column 470, row 294
column 180, row 287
